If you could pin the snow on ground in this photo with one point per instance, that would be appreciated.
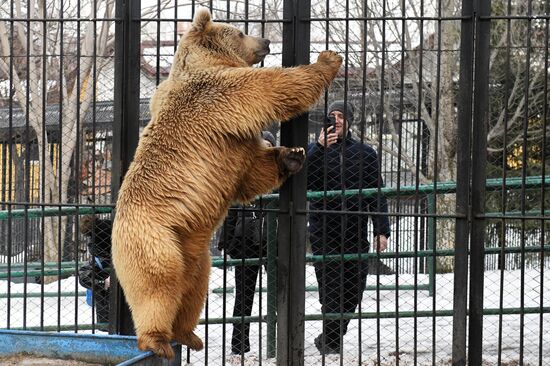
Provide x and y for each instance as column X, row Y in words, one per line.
column 430, row 337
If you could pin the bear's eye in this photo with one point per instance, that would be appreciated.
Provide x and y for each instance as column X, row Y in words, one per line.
column 241, row 35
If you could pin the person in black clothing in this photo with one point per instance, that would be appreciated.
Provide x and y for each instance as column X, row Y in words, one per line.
column 244, row 235
column 95, row 275
column 337, row 161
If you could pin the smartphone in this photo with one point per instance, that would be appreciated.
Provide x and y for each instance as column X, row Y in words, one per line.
column 331, row 121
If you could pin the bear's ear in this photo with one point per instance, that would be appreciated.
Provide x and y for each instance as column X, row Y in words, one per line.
column 202, row 19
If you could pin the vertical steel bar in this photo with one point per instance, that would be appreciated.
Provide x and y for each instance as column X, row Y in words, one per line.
column 344, row 199
column 362, row 132
column 43, row 137
column 479, row 162
column 292, row 225
column 430, row 233
column 125, row 128
column 206, row 312
column 364, row 46
column 93, row 158
column 25, row 141
column 381, row 118
column 417, row 203
column 157, row 61
column 11, row 145
column 263, row 251
column 399, row 175
column 524, row 162
column 543, row 188
column 433, row 203
column 241, row 284
column 176, row 6
column 464, row 102
column 74, row 158
column 503, row 193
column 271, row 284
column 225, row 240
column 224, row 297
column 60, row 146
column 325, row 185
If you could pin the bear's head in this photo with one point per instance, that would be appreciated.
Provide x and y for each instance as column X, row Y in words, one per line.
column 224, row 41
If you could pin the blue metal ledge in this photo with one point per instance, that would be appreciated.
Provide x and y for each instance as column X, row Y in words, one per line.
column 93, row 348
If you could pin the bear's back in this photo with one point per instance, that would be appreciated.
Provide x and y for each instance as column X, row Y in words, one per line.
column 201, row 174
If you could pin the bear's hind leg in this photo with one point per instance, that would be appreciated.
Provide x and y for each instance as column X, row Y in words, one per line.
column 193, row 293
column 158, row 343
column 188, row 315
column 150, row 278
column 153, row 316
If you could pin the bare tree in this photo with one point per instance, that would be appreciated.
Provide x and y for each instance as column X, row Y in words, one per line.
column 58, row 62
column 43, row 43
column 399, row 57
column 408, row 69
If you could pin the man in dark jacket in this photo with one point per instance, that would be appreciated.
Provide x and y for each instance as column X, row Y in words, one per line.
column 338, row 162
column 244, row 235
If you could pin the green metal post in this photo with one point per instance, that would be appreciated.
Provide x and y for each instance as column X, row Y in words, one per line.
column 431, row 244
column 271, row 285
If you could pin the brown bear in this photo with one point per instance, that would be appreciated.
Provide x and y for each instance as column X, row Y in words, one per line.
column 201, row 152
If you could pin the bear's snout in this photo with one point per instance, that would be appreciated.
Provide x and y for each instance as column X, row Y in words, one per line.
column 263, row 47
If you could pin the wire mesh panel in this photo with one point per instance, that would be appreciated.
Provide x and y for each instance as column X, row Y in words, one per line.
column 402, row 69
column 516, row 277
column 399, row 147
column 239, row 317
column 431, row 142
column 56, row 76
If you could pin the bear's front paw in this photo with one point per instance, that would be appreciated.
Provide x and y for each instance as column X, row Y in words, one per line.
column 330, row 58
column 291, row 160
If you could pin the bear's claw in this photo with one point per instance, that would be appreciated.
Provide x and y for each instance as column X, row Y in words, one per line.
column 157, row 343
column 292, row 159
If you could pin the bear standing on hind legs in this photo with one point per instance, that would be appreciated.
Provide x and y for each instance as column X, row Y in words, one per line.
column 201, row 152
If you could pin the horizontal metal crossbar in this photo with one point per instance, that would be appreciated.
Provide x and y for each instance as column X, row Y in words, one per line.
column 440, row 188
column 220, row 262
column 317, row 317
column 405, row 191
column 48, row 212
column 51, row 268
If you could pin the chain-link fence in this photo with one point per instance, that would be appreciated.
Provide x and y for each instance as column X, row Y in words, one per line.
column 431, row 145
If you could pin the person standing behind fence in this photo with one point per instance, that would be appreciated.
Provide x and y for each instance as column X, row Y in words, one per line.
column 95, row 275
column 337, row 161
column 244, row 235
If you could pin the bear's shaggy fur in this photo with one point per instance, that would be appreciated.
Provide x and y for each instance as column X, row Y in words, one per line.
column 201, row 152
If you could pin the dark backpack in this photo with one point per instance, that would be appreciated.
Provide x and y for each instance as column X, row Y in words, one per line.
column 244, row 233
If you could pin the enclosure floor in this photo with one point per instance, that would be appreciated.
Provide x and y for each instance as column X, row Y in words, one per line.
column 430, row 339
column 40, row 361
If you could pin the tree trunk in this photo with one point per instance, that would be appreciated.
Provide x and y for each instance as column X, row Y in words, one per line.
column 445, row 232
column 447, row 137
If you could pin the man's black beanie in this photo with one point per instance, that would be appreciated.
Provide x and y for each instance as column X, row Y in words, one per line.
column 339, row 106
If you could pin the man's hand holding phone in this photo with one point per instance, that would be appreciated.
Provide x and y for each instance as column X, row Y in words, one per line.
column 330, row 136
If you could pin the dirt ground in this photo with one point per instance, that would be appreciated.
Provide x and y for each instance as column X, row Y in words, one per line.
column 25, row 360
